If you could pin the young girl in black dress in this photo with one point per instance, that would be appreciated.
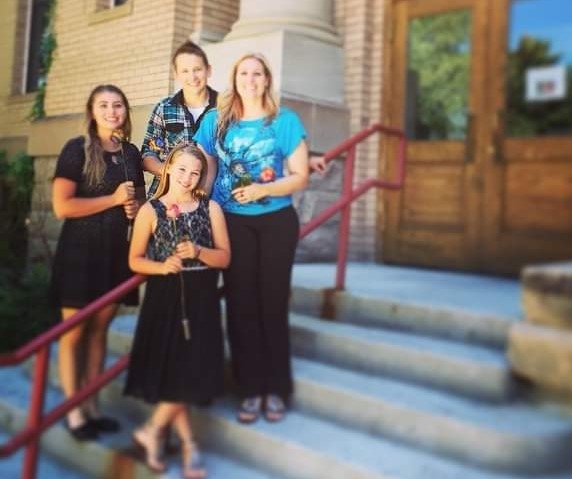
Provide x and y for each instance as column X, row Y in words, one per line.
column 179, row 238
column 96, row 185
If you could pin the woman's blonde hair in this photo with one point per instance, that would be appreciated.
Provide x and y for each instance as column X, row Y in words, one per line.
column 182, row 148
column 94, row 166
column 229, row 104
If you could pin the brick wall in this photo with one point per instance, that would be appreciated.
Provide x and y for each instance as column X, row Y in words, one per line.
column 203, row 21
column 360, row 25
column 14, row 107
column 131, row 50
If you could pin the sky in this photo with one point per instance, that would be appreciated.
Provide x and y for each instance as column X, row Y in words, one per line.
column 545, row 19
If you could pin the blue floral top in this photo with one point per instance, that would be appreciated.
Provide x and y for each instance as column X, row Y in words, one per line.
column 252, row 151
column 194, row 225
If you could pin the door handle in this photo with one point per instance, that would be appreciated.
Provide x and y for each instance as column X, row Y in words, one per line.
column 470, row 139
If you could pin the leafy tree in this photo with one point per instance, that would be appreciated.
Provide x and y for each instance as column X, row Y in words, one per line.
column 438, row 70
column 525, row 118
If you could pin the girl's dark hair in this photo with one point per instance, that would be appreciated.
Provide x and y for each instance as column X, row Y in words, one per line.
column 192, row 49
column 190, row 149
column 94, row 167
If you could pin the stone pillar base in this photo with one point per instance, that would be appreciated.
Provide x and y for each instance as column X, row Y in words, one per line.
column 543, row 356
column 540, row 349
column 302, row 67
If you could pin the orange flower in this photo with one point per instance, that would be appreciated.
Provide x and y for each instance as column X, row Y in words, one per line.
column 268, row 174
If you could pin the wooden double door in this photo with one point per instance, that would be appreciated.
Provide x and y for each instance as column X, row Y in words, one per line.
column 483, row 89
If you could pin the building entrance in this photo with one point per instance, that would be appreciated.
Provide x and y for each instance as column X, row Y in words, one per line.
column 483, row 89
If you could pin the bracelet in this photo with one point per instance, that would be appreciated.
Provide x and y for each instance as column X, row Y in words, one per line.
column 198, row 250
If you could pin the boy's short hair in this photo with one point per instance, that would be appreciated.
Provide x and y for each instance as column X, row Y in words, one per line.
column 192, row 49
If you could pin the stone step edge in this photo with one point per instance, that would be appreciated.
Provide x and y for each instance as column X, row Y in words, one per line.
column 497, row 393
column 440, row 321
column 277, row 453
column 424, row 367
column 430, row 438
column 462, row 441
column 112, row 398
column 91, row 458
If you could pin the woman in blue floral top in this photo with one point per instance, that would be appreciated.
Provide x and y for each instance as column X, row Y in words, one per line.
column 251, row 137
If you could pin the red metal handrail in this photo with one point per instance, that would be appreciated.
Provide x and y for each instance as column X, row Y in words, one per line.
column 38, row 422
column 349, row 195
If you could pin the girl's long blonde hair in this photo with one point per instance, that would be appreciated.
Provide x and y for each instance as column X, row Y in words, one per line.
column 190, row 149
column 94, row 166
column 229, row 104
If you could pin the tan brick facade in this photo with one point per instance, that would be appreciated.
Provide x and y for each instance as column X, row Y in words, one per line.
column 360, row 24
column 131, row 46
column 131, row 51
column 14, row 106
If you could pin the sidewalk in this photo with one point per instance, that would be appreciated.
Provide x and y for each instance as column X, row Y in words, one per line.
column 476, row 293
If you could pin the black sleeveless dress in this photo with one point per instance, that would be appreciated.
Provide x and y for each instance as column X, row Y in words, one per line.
column 92, row 253
column 164, row 366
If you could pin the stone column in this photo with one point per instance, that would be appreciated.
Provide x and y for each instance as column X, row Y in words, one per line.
column 309, row 18
column 299, row 40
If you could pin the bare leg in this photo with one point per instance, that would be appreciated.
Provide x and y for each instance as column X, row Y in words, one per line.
column 96, row 347
column 69, row 365
column 182, row 424
column 151, row 435
column 192, row 466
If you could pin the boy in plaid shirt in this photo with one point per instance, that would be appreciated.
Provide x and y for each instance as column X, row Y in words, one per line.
column 176, row 118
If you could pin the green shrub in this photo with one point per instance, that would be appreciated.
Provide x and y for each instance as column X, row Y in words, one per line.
column 16, row 187
column 25, row 310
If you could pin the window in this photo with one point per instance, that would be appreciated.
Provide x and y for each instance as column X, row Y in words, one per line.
column 36, row 24
column 108, row 4
column 105, row 10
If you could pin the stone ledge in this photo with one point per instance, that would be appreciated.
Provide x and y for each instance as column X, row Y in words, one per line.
column 542, row 355
column 547, row 294
column 551, row 277
column 548, row 309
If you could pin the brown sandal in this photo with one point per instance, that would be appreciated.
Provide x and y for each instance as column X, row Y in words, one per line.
column 249, row 410
column 274, row 408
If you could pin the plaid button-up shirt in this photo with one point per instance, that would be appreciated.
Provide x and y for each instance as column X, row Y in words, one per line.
column 171, row 123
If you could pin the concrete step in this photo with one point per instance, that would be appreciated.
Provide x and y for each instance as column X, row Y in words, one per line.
column 510, row 437
column 306, row 447
column 480, row 327
column 48, row 468
column 513, row 437
column 470, row 370
column 111, row 457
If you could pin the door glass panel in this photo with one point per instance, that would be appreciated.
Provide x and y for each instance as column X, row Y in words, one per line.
column 438, row 74
column 539, row 83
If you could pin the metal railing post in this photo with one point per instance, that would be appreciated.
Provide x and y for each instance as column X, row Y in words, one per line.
column 36, row 411
column 343, row 239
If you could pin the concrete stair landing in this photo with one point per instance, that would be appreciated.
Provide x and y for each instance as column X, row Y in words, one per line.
column 394, row 387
